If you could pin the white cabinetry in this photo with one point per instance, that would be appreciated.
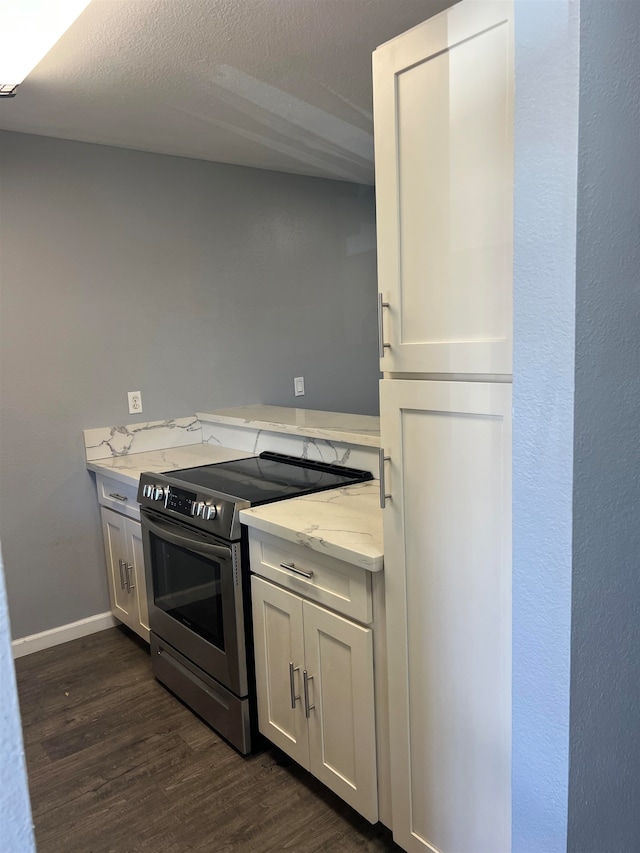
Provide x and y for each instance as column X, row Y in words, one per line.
column 448, row 594
column 315, row 680
column 125, row 568
column 443, row 104
column 124, row 556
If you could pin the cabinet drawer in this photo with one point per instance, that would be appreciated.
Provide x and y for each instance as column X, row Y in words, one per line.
column 333, row 583
column 121, row 497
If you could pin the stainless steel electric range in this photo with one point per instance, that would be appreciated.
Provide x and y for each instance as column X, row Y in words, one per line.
column 197, row 572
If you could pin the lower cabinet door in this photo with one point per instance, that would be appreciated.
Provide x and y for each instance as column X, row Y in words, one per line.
column 340, row 705
column 447, row 537
column 314, row 677
column 125, row 567
column 135, row 575
column 124, row 599
column 279, row 652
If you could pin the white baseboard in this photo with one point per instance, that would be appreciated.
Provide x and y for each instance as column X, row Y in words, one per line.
column 57, row 636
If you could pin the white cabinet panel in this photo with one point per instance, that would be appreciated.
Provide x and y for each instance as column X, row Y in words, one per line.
column 326, row 580
column 331, row 730
column 136, row 557
column 118, row 496
column 123, row 599
column 125, row 569
column 279, row 651
column 443, row 101
column 342, row 729
column 448, row 594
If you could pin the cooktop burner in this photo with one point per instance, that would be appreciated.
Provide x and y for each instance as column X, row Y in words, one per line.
column 269, row 477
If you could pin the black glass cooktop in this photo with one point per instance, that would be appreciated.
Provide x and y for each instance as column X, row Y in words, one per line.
column 269, row 477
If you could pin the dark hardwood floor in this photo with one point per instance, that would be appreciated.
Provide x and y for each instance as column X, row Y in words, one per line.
column 117, row 764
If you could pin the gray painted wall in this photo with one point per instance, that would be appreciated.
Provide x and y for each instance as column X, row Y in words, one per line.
column 202, row 285
column 604, row 786
column 576, row 587
column 546, row 148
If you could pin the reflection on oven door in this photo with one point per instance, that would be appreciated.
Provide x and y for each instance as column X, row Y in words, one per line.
column 193, row 607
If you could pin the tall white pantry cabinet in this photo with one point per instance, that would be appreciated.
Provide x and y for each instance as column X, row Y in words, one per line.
column 443, row 117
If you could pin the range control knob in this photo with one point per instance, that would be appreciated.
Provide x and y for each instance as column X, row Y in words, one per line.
column 211, row 511
column 158, row 493
column 147, row 491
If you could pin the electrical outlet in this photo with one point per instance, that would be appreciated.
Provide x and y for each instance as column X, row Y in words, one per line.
column 135, row 402
column 298, row 386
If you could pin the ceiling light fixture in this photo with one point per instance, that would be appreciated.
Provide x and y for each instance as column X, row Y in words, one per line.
column 28, row 31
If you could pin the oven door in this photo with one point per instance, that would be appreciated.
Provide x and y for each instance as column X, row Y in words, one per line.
column 194, row 590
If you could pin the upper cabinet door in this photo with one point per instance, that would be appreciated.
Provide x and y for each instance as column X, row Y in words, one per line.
column 443, row 117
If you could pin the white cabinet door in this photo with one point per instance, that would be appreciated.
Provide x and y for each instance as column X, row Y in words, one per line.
column 279, row 653
column 124, row 601
column 125, row 567
column 447, row 530
column 342, row 731
column 443, row 118
column 314, row 678
column 135, row 575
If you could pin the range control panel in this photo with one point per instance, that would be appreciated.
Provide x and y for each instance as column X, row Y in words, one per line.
column 180, row 500
column 202, row 509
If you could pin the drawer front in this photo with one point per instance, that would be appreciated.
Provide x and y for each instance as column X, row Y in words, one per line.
column 121, row 497
column 332, row 583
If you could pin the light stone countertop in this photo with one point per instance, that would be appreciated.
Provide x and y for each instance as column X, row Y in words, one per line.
column 343, row 523
column 334, row 426
column 127, row 469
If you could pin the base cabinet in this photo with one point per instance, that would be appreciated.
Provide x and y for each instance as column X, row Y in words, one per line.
column 314, row 674
column 447, row 528
column 125, row 569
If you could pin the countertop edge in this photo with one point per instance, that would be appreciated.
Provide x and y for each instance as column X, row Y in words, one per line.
column 122, row 476
column 368, row 562
column 363, row 439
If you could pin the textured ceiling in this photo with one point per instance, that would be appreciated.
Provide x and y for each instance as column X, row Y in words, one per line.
column 276, row 84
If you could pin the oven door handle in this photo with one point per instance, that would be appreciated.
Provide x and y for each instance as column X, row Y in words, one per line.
column 185, row 541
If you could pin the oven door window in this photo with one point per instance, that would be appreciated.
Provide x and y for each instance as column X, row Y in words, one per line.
column 188, row 587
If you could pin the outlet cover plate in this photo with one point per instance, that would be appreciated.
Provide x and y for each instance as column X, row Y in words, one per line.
column 135, row 402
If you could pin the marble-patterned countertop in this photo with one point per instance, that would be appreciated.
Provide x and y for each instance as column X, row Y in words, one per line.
column 344, row 523
column 337, row 426
column 127, row 468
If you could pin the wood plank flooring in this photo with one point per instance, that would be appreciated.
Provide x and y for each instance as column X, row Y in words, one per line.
column 118, row 765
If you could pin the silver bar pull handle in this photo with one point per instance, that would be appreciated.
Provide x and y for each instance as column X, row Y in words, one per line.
column 291, row 568
column 200, row 546
column 118, row 497
column 384, row 497
column 121, row 565
column 292, row 686
column 129, row 570
column 381, row 344
column 306, row 678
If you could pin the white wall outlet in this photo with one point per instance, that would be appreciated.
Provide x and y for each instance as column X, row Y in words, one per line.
column 135, row 402
column 298, row 386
